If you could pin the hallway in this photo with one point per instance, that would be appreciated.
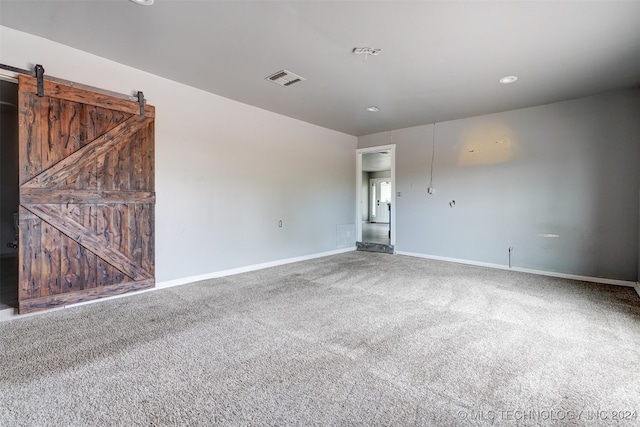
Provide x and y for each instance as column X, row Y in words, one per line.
column 375, row 232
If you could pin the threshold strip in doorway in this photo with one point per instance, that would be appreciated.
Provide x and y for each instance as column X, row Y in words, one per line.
column 374, row 247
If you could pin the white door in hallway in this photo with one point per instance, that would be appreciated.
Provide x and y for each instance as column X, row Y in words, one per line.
column 380, row 199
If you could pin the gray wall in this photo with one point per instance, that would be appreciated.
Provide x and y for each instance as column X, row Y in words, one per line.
column 568, row 169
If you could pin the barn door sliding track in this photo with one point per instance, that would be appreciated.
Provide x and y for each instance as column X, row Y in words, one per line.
column 38, row 73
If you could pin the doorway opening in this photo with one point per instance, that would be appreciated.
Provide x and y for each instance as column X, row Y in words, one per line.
column 9, row 194
column 375, row 231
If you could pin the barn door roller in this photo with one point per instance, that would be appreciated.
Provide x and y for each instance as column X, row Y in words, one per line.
column 141, row 102
column 39, row 71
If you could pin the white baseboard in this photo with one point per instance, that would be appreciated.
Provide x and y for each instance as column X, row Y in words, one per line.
column 9, row 314
column 246, row 269
column 526, row 270
column 637, row 286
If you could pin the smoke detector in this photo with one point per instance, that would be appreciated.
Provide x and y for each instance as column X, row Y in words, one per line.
column 284, row 78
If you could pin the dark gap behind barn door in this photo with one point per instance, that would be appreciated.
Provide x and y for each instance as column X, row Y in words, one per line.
column 9, row 194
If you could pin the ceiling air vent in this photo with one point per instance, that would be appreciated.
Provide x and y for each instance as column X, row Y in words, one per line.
column 285, row 78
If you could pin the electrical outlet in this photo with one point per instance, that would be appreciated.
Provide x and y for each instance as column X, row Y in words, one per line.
column 430, row 190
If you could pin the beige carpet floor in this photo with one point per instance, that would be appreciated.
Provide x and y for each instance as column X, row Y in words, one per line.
column 354, row 339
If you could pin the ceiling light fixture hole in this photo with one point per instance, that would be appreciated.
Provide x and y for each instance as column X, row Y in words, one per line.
column 373, row 109
column 366, row 51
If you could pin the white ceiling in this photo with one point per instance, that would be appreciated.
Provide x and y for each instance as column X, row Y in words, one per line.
column 439, row 60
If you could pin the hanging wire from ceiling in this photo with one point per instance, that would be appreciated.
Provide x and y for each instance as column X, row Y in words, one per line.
column 433, row 155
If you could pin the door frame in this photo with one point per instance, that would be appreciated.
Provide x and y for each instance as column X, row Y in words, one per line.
column 359, row 152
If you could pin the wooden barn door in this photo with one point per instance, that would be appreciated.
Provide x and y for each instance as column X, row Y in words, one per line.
column 86, row 196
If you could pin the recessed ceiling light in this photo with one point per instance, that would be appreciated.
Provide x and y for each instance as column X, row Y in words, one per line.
column 143, row 2
column 508, row 79
column 373, row 109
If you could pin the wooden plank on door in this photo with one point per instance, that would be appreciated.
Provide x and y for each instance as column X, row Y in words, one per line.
column 147, row 228
column 43, row 303
column 64, row 131
column 82, row 96
column 147, row 149
column 50, row 242
column 29, row 254
column 33, row 131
